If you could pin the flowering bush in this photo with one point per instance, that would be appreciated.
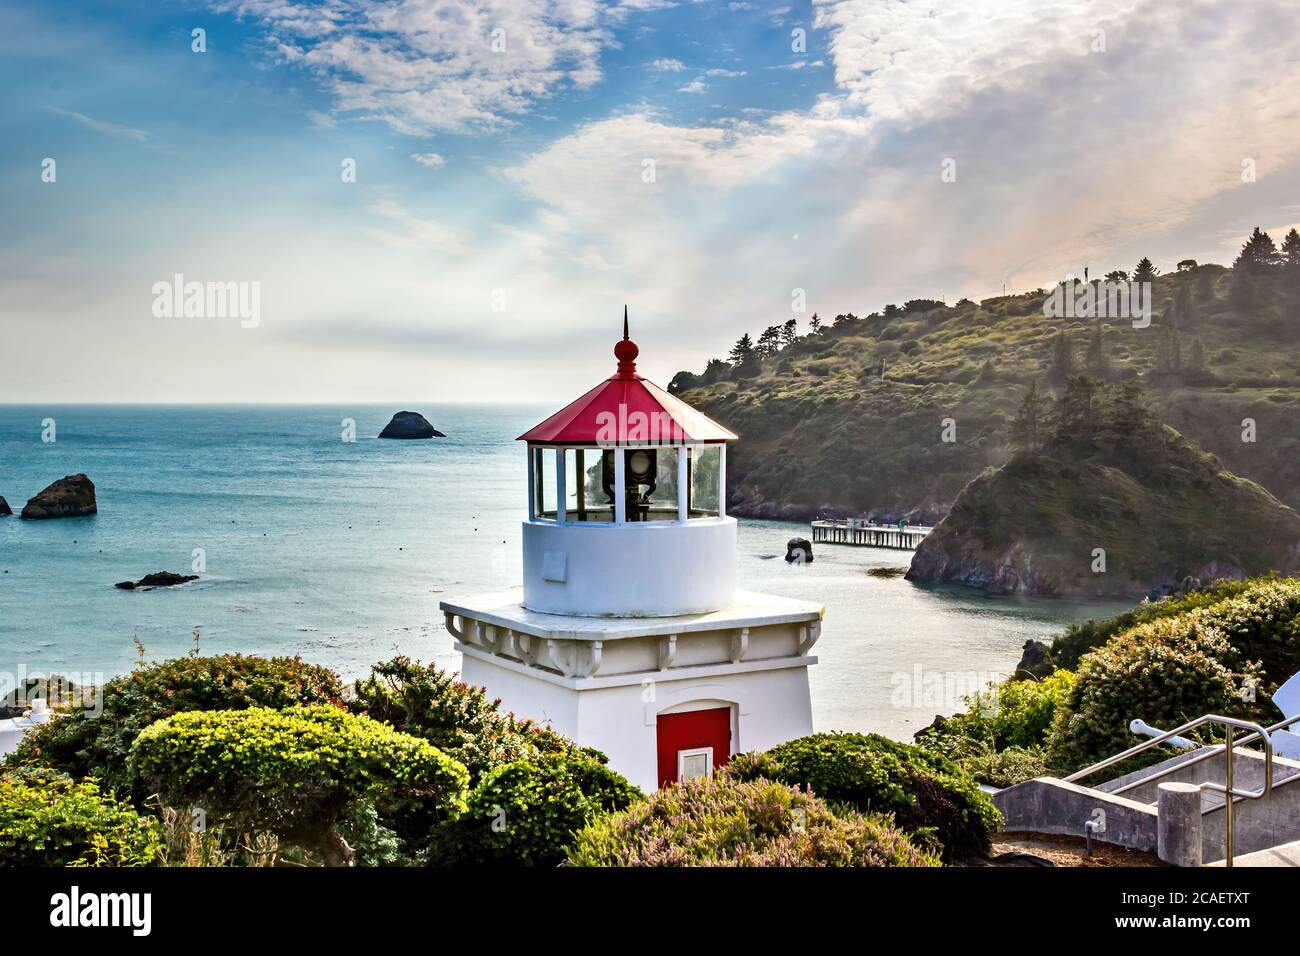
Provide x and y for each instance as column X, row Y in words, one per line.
column 295, row 773
column 1167, row 671
column 82, row 744
column 47, row 819
column 527, row 812
column 927, row 794
column 721, row 821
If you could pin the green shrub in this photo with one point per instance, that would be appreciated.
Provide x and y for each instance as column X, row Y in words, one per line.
column 528, row 811
column 1005, row 768
column 721, row 821
column 82, row 744
column 295, row 773
column 1016, row 713
column 1084, row 636
column 1167, row 671
column 458, row 719
column 48, row 819
column 926, row 793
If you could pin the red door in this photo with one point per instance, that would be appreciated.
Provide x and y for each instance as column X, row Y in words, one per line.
column 693, row 730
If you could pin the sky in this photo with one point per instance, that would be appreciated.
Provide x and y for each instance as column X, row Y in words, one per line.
column 452, row 200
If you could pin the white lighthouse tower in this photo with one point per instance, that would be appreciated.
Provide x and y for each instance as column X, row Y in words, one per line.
column 630, row 636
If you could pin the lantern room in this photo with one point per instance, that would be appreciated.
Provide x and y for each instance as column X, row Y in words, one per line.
column 627, row 504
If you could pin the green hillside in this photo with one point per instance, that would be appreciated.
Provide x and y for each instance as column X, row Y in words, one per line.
column 1105, row 501
column 850, row 417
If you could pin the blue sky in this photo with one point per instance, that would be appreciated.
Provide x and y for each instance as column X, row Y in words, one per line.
column 501, row 214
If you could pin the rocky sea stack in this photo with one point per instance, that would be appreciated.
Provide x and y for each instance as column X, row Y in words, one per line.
column 5, row 510
column 70, row 497
column 1110, row 503
column 159, row 579
column 410, row 425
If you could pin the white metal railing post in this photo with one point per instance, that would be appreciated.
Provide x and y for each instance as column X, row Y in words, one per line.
column 532, row 485
column 1227, row 802
column 620, row 485
column 683, row 492
column 722, row 479
column 561, row 492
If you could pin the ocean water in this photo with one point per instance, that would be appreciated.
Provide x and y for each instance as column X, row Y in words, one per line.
column 340, row 551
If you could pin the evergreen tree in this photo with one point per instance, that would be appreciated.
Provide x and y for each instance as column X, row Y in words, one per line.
column 1076, row 412
column 716, row 371
column 1145, row 271
column 789, row 332
column 1062, row 358
column 1117, row 275
column 1291, row 249
column 1029, row 428
column 1259, row 254
column 1096, row 359
column 742, row 353
column 769, row 343
column 815, row 325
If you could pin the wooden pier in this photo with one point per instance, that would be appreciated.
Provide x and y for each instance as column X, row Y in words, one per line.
column 868, row 536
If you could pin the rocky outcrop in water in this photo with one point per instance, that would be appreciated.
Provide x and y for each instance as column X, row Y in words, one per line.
column 70, row 497
column 798, row 550
column 5, row 510
column 159, row 579
column 410, row 425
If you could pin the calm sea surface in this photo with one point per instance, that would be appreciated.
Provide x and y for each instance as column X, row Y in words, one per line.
column 340, row 552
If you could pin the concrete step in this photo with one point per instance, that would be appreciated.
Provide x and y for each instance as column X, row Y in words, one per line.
column 1288, row 854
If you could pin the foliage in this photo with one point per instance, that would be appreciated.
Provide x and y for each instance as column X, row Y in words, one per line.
column 82, row 743
column 821, row 436
column 926, row 793
column 721, row 821
column 1081, row 637
column 48, row 819
column 527, row 812
column 295, row 772
column 1167, row 671
column 1016, row 713
column 1005, row 768
column 458, row 719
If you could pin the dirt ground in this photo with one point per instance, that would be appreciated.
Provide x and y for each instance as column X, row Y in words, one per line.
column 1064, row 851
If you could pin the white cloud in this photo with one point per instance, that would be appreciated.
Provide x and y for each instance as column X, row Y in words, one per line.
column 429, row 65
column 667, row 65
column 101, row 126
column 432, row 160
column 414, row 232
column 695, row 86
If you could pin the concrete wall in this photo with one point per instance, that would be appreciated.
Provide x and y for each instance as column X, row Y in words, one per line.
column 1048, row 805
column 769, row 706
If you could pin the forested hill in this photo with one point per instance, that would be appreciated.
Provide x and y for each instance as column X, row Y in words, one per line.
column 851, row 414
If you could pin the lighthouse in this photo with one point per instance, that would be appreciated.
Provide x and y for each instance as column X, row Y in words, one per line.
column 630, row 635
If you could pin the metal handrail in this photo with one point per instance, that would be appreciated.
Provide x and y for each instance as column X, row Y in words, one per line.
column 1207, row 751
column 1226, row 788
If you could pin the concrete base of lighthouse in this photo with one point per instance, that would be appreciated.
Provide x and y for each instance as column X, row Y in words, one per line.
column 649, row 692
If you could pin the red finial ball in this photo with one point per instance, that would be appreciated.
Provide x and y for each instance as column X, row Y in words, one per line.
column 626, row 351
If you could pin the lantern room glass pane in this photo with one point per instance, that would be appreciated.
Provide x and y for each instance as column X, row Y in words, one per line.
column 544, row 482
column 661, row 497
column 706, row 463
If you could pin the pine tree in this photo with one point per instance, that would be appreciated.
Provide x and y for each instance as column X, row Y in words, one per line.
column 1029, row 428
column 815, row 325
column 789, row 332
column 769, row 343
column 742, row 352
column 1062, row 358
column 1076, row 416
column 1258, row 254
column 1096, row 359
column 1117, row 275
column 1291, row 249
column 1145, row 271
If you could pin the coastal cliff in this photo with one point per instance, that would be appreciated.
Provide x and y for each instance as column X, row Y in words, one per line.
column 1113, row 503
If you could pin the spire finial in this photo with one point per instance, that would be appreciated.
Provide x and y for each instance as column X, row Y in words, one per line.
column 626, row 352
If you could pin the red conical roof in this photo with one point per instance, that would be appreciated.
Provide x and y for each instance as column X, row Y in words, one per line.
column 626, row 409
